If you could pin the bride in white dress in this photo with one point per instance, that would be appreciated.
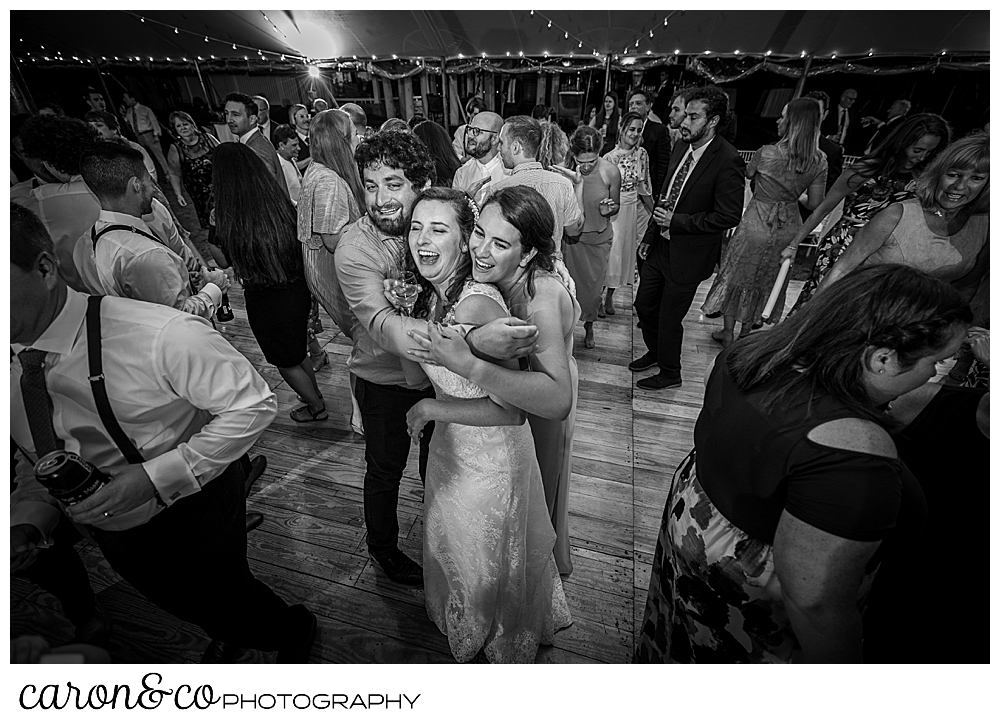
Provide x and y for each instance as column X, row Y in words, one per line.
column 490, row 581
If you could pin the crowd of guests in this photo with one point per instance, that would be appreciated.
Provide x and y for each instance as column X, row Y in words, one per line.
column 458, row 267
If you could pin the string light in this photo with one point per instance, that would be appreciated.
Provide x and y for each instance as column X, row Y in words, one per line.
column 176, row 31
column 206, row 38
column 549, row 25
column 677, row 51
column 736, row 52
column 768, row 53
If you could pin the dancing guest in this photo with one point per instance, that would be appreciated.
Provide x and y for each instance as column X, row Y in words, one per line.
column 512, row 250
column 395, row 168
column 106, row 126
column 633, row 165
column 774, row 525
column 241, row 118
column 606, row 121
column 655, row 138
column 520, row 138
column 298, row 114
column 146, row 127
column 482, row 148
column 868, row 186
column 834, row 152
column 554, row 146
column 779, row 173
column 589, row 116
column 62, row 200
column 171, row 520
column 119, row 255
column 286, row 143
column 331, row 198
column 255, row 228
column 358, row 117
column 189, row 164
column 897, row 112
column 438, row 143
column 944, row 231
column 489, row 574
column 395, row 124
column 264, row 124
column 587, row 257
column 474, row 106
column 675, row 117
column 701, row 198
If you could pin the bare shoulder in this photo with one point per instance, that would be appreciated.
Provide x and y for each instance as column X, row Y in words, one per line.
column 855, row 435
column 478, row 309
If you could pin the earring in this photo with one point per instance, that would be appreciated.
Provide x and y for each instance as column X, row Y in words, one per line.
column 881, row 371
column 464, row 248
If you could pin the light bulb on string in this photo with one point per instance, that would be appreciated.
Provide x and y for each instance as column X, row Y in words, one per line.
column 580, row 44
column 649, row 52
column 234, row 46
column 549, row 25
column 768, row 53
column 666, row 21
column 508, row 53
column 677, row 51
column 142, row 20
column 520, row 53
column 651, row 33
column 176, row 31
column 206, row 38
column 736, row 52
column 566, row 35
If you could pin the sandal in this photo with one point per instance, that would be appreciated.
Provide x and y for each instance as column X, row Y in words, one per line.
column 319, row 360
column 304, row 414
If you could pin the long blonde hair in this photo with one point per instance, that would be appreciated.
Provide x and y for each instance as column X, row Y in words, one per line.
column 802, row 134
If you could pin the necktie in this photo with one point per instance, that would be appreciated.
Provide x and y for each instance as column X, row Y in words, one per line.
column 678, row 184
column 843, row 125
column 37, row 403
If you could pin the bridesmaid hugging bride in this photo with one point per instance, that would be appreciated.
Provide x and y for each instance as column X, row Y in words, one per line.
column 490, row 577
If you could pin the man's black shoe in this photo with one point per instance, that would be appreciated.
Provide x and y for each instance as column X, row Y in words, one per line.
column 257, row 467
column 713, row 315
column 221, row 652
column 401, row 569
column 303, row 625
column 659, row 382
column 254, row 520
column 643, row 363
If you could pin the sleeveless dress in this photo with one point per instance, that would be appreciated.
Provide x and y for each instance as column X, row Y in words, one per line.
column 634, row 168
column 871, row 197
column 947, row 258
column 196, row 173
column 490, row 579
column 554, row 451
column 753, row 255
column 587, row 260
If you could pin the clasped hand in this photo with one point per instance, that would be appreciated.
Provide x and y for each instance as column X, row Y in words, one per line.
column 662, row 217
column 504, row 338
column 129, row 488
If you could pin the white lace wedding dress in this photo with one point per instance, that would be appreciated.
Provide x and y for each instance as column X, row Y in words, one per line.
column 490, row 580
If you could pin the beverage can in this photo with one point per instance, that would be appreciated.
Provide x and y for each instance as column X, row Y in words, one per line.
column 68, row 477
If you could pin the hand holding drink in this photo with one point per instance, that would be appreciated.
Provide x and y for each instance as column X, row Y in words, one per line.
column 404, row 291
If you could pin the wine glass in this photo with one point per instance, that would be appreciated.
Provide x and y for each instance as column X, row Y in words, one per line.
column 405, row 290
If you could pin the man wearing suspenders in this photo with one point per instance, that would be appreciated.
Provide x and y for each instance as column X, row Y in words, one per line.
column 120, row 256
column 165, row 405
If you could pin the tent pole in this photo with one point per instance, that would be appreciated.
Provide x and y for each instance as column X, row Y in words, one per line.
column 204, row 89
column 444, row 95
column 802, row 81
column 607, row 74
column 19, row 89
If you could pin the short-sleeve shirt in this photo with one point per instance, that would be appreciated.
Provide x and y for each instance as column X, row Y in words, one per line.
column 326, row 205
column 556, row 189
column 755, row 462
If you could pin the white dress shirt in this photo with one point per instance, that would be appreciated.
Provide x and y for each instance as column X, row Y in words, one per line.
column 143, row 120
column 697, row 153
column 161, row 223
column 293, row 178
column 473, row 170
column 127, row 264
column 146, row 160
column 187, row 399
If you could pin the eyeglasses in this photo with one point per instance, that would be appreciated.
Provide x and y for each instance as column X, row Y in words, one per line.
column 474, row 132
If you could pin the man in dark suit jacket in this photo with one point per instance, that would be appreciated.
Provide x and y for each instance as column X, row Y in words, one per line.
column 241, row 118
column 834, row 153
column 655, row 138
column 840, row 125
column 897, row 113
column 701, row 197
column 264, row 124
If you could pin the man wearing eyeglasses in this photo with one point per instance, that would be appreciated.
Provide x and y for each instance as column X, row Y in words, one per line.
column 482, row 144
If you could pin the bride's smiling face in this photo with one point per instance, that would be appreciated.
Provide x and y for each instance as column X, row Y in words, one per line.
column 496, row 249
column 435, row 240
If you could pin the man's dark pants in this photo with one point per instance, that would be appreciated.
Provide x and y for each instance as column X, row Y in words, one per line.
column 191, row 561
column 387, row 445
column 661, row 304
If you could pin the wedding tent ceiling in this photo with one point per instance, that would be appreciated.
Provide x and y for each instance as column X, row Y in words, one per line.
column 329, row 34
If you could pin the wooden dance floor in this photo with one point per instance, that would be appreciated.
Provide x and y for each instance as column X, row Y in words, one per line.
column 311, row 547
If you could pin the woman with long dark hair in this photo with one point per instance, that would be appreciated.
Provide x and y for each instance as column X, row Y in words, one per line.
column 255, row 228
column 489, row 575
column 606, row 122
column 779, row 174
column 512, row 248
column 587, row 258
column 775, row 524
column 882, row 177
column 438, row 142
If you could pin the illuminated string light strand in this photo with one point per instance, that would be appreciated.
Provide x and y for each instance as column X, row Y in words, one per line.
column 550, row 24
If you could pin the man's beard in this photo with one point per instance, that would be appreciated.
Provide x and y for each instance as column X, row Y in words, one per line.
column 694, row 137
column 478, row 151
column 394, row 226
